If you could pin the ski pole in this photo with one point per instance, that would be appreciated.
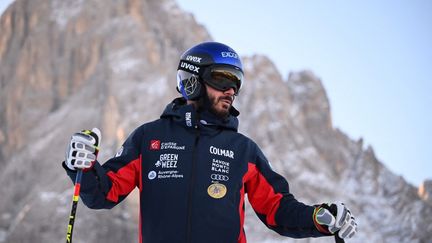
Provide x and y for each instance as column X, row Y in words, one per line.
column 94, row 136
column 338, row 239
column 336, row 234
column 75, row 199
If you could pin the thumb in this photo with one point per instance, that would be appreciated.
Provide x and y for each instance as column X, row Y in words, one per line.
column 98, row 134
column 324, row 217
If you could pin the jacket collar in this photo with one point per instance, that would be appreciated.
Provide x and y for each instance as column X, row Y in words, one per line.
column 187, row 115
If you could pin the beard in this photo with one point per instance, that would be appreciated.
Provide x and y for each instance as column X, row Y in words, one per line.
column 218, row 106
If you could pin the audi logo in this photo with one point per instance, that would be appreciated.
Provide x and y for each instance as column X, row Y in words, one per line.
column 218, row 177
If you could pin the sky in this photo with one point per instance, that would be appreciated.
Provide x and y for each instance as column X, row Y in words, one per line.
column 4, row 4
column 373, row 57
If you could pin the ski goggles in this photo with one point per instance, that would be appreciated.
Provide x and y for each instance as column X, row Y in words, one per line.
column 222, row 77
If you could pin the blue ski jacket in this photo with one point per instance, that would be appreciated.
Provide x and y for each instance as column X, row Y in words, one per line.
column 193, row 171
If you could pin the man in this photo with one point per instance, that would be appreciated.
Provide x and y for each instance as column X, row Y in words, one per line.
column 193, row 169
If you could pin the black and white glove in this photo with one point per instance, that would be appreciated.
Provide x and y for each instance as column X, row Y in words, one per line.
column 82, row 150
column 335, row 218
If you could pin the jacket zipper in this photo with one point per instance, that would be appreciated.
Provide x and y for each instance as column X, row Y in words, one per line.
column 192, row 184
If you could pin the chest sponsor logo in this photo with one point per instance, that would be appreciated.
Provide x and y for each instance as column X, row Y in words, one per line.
column 219, row 177
column 172, row 145
column 152, row 174
column 222, row 152
column 158, row 145
column 155, row 144
column 167, row 161
column 220, row 166
column 169, row 174
column 166, row 168
column 217, row 190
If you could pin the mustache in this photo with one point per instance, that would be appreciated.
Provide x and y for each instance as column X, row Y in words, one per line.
column 227, row 97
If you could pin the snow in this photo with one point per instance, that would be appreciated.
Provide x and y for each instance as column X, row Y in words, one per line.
column 158, row 87
column 124, row 22
column 171, row 7
column 274, row 126
column 63, row 11
column 248, row 65
column 122, row 61
column 3, row 235
column 299, row 90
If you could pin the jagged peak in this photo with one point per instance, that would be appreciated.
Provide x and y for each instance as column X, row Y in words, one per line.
column 309, row 94
column 305, row 83
column 425, row 191
column 260, row 74
column 260, row 64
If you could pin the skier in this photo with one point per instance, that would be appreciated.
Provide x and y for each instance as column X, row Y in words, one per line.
column 193, row 169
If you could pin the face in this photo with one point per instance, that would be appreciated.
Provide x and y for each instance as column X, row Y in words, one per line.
column 220, row 101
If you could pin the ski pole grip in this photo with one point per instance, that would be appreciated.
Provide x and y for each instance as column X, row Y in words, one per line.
column 337, row 238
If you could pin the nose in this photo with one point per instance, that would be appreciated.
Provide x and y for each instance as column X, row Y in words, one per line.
column 229, row 91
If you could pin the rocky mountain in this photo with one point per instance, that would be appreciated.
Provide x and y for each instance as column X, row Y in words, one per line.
column 425, row 191
column 69, row 65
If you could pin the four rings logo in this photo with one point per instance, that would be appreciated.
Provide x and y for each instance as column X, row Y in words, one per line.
column 218, row 177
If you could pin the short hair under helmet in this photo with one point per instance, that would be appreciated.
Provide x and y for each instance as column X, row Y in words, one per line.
column 212, row 63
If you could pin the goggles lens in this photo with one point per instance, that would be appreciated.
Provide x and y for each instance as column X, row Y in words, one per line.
column 223, row 78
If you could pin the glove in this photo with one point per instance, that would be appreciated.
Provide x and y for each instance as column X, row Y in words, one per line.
column 82, row 150
column 335, row 217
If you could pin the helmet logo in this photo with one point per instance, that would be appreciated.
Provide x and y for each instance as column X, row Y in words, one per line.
column 190, row 85
column 229, row 54
column 189, row 67
column 194, row 59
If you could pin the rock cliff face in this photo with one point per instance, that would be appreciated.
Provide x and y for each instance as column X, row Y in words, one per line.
column 50, row 50
column 425, row 191
column 69, row 65
column 322, row 163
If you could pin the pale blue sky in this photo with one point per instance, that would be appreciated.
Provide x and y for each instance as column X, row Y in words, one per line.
column 374, row 58
column 4, row 4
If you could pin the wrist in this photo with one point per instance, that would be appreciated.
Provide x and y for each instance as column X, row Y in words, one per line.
column 321, row 228
column 66, row 167
column 89, row 168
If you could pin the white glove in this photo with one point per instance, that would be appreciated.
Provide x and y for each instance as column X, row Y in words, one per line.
column 83, row 148
column 336, row 217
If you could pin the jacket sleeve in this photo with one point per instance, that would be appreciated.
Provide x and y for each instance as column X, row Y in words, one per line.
column 268, row 193
column 104, row 186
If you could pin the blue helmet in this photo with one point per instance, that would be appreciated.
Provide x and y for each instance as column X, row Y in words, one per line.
column 212, row 63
